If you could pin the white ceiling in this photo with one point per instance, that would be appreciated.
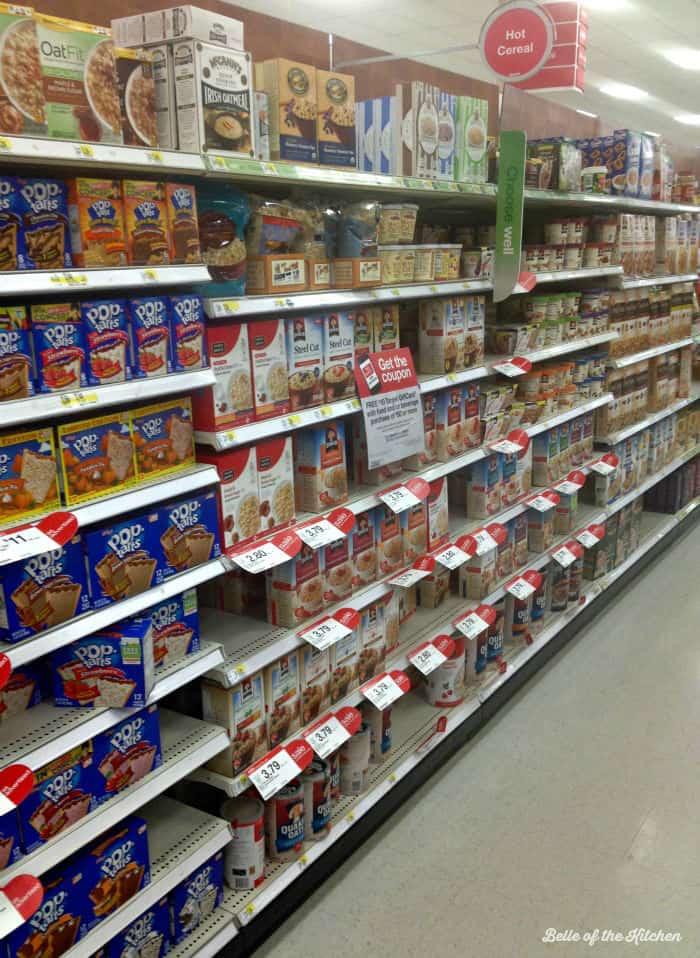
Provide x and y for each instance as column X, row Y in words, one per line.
column 626, row 40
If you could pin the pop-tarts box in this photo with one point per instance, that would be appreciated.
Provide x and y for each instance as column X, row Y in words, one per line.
column 97, row 457
column 10, row 842
column 150, row 336
column 123, row 558
column 27, row 686
column 10, row 221
column 175, row 628
column 148, row 936
column 127, row 752
column 627, row 149
column 63, row 793
column 43, row 208
column 196, row 897
column 59, row 346
column 163, row 437
column 447, row 133
column 17, row 371
column 190, row 533
column 57, row 924
column 114, row 868
column 187, row 331
column 106, row 329
column 110, row 669
column 43, row 591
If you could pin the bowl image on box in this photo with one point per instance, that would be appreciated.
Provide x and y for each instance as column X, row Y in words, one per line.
column 22, row 105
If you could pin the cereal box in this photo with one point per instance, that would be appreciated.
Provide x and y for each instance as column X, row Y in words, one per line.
column 337, row 570
column 447, row 109
column 107, row 341
column 115, row 867
column 148, row 936
column 291, row 91
column 137, row 96
column 43, row 591
column 415, row 532
column 305, row 360
column 59, row 346
column 189, row 533
column 166, row 111
column 474, row 330
column 441, row 335
column 484, row 487
column 241, row 711
column 477, row 576
column 230, row 402
column 432, row 591
column 10, row 843
column 196, row 897
column 110, row 669
column 472, row 421
column 57, row 924
column 122, row 558
column 385, row 327
column 240, row 517
column 338, row 356
column 294, row 589
column 27, row 474
column 10, row 219
column 364, row 552
column 150, row 336
column 449, row 422
column 389, row 539
column 96, row 217
column 268, row 360
column 45, row 236
column 275, row 482
column 336, row 119
column 438, row 523
column 97, row 457
column 315, row 682
column 25, row 688
column 175, row 624
column 183, row 227
column 321, row 476
column 22, row 108
column 363, row 331
column 282, row 698
column 146, row 217
column 345, row 659
column 624, row 168
column 79, row 79
column 471, row 159
column 64, row 792
column 163, row 438
column 16, row 353
column 372, row 642
column 126, row 752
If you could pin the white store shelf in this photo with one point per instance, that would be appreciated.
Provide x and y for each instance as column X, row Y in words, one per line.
column 180, row 840
column 46, row 732
column 645, row 423
column 570, row 275
column 185, row 743
column 44, row 642
column 96, row 157
column 589, row 406
column 86, row 401
column 663, row 279
column 59, row 282
column 208, row 939
column 619, row 362
column 591, row 202
column 562, row 349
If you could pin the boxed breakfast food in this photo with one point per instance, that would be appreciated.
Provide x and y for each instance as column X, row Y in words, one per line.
column 276, row 481
column 391, row 619
column 268, row 361
column 147, row 936
column 450, row 425
column 624, row 168
column 432, row 590
column 28, row 477
column 336, row 119
column 122, row 558
column 484, row 486
column 10, row 221
column 79, row 80
column 418, row 108
column 477, row 576
column 187, row 331
column 10, row 842
column 419, row 459
column 471, row 140
column 26, row 687
column 239, row 501
column 442, row 328
column 305, row 361
column 364, row 552
column 16, row 354
column 241, row 711
column 137, row 96
column 112, row 669
column 107, row 341
column 163, row 79
column 183, row 223
column 447, row 117
column 115, row 867
column 43, row 591
column 388, row 536
column 295, row 588
column 338, row 356
column 545, row 457
column 213, row 91
column 230, row 402
column 175, row 624
column 43, row 233
column 96, row 218
column 189, row 533
column 22, row 106
column 337, row 570
column 196, row 897
column 372, row 641
column 282, row 681
column 261, row 116
column 126, row 752
column 315, row 682
column 438, row 522
column 150, row 336
column 320, row 467
column 176, row 23
column 97, row 457
column 291, row 92
column 163, row 438
column 146, row 219
column 59, row 346
column 414, row 529
column 345, row 658
column 57, row 925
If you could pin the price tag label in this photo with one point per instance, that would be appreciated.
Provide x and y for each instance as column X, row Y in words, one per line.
column 273, row 772
column 430, row 655
column 326, row 736
column 269, row 169
column 396, row 292
column 85, row 151
column 15, row 546
column 543, row 503
column 484, row 541
column 69, row 400
column 58, row 279
column 471, row 625
column 262, row 557
column 149, row 275
column 602, row 467
column 230, row 306
column 520, row 588
column 567, row 487
column 563, row 556
column 382, row 691
column 512, row 368
column 154, row 156
column 399, row 499
column 408, row 578
column 5, row 144
column 452, row 557
column 227, row 437
column 76, row 279
column 505, row 446
column 591, row 536
column 319, row 533
column 19, row 899
column 325, row 633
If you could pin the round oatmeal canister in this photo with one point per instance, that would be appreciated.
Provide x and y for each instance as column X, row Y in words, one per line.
column 244, row 856
column 284, row 822
column 317, row 800
column 354, row 762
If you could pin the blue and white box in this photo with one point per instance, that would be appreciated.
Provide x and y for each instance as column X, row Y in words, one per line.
column 123, row 558
column 148, row 936
column 114, row 869
column 175, row 624
column 195, row 898
column 126, row 752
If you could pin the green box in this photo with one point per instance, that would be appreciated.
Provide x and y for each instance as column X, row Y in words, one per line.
column 471, row 142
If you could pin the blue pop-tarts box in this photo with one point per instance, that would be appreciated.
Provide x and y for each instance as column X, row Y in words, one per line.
column 27, row 686
column 114, row 868
column 148, row 936
column 124, row 558
column 10, row 842
column 17, row 371
column 196, row 897
column 108, row 346
column 109, row 669
column 127, row 752
column 10, row 221
column 175, row 624
column 187, row 331
column 63, row 793
column 43, row 208
column 190, row 533
column 150, row 336
column 58, row 922
column 43, row 591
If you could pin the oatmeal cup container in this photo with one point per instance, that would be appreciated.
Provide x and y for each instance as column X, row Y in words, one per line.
column 557, row 254
column 597, row 386
column 442, row 261
column 391, row 258
column 556, row 232
column 567, row 398
column 591, row 301
column 583, row 391
column 606, row 229
column 424, row 264
column 548, row 400
column 389, row 231
column 536, row 308
column 570, row 304
column 529, row 385
column 567, row 372
column 408, row 264
column 552, row 332
column 465, row 235
column 408, row 214
column 549, row 377
column 573, row 256
column 471, row 263
column 454, row 254
column 545, row 259
column 581, row 368
column 530, row 257
column 538, row 336
column 576, row 230
column 554, row 306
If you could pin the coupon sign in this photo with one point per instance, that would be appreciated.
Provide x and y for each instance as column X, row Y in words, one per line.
column 16, row 782
column 544, row 502
column 52, row 532
column 330, row 732
column 269, row 554
column 430, row 655
column 279, row 767
column 451, row 557
column 606, row 464
column 19, row 899
column 385, row 689
column 591, row 536
column 516, row 366
column 325, row 633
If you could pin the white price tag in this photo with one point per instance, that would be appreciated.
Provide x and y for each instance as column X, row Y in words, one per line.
column 541, row 503
column 274, row 773
column 6, row 805
column 15, row 546
column 508, row 369
column 10, row 918
column 452, row 557
column 327, row 738
column 568, row 488
column 587, row 539
column 319, row 533
column 399, row 499
column 428, row 659
column 505, row 446
column 325, row 634
column 603, row 468
column 262, row 557
column 520, row 588
column 471, row 625
column 382, row 692
column 484, row 541
column 408, row 578
column 564, row 556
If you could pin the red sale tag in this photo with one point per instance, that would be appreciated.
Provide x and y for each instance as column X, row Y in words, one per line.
column 591, row 536
column 350, row 718
column 343, row 520
column 20, row 898
column 27, row 541
column 279, row 767
column 430, row 655
column 498, row 532
column 267, row 555
column 16, row 782
column 606, row 464
column 467, row 544
column 419, row 487
column 347, row 616
column 516, row 366
column 545, row 501
column 5, row 670
column 327, row 734
column 386, row 688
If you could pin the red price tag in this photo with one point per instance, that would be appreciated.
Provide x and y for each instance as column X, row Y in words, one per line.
column 591, row 536
column 279, row 767
column 20, row 898
column 385, row 689
column 330, row 732
column 430, row 655
column 545, row 501
column 5, row 670
column 49, row 533
column 517, row 366
column 267, row 555
column 16, row 782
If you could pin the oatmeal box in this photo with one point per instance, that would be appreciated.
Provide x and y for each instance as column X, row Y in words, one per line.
column 137, row 96
column 305, row 361
column 16, row 352
column 146, row 218
column 315, row 682
column 240, row 516
column 189, row 533
column 294, row 589
column 282, row 682
column 187, row 331
column 107, row 341
column 364, row 551
column 126, row 752
column 148, row 936
column 97, row 457
column 163, row 438
column 175, row 624
column 336, row 119
column 59, row 346
column 338, row 356
column 22, row 107
column 114, row 868
column 150, row 336
column 241, row 711
column 268, row 360
column 275, row 482
column 321, row 475
column 337, row 570
column 196, row 897
column 291, row 91
column 122, row 557
column 230, row 402
column 96, row 217
column 28, row 478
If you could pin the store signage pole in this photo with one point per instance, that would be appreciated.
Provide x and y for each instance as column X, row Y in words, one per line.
column 509, row 213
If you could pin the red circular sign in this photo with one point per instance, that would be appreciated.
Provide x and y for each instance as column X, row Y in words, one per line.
column 516, row 40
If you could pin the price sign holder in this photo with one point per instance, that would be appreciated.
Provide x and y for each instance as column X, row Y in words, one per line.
column 279, row 767
column 16, row 782
column 606, row 464
column 523, row 586
column 399, row 499
column 573, row 482
column 267, row 555
column 320, row 532
column 475, row 621
column 49, row 533
column 564, row 556
column 517, row 366
column 430, row 655
column 421, row 568
column 20, row 898
column 544, row 502
column 484, row 541
column 385, row 689
column 591, row 536
column 330, row 732
column 452, row 556
column 325, row 633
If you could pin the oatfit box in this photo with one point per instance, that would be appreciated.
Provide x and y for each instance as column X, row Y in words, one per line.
column 189, row 533
column 23, row 691
column 230, row 402
column 10, row 844
column 126, row 752
column 55, row 927
column 195, row 898
column 122, row 558
column 175, row 628
column 110, row 669
column 10, row 220
column 148, row 936
column 114, row 869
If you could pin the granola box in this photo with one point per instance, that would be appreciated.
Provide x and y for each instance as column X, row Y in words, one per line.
column 110, row 669
column 150, row 336
column 187, row 331
column 96, row 218
column 196, row 897
column 268, row 361
column 240, row 515
column 65, row 791
column 97, row 457
column 189, row 533
column 148, row 936
column 372, row 641
column 146, row 218
column 126, row 752
column 10, row 842
column 115, row 867
column 293, row 110
column 43, row 591
column 241, row 711
column 22, row 108
column 163, row 438
column 282, row 681
column 107, row 341
column 45, row 236
column 294, row 589
column 230, row 402
column 56, row 926
column 59, row 346
column 16, row 353
column 275, row 482
column 183, row 225
column 137, row 96
column 304, row 336
column 25, row 688
column 28, row 477
column 175, row 624
column 79, row 79
column 122, row 558
column 414, row 530
column 336, row 119
column 471, row 159
column 10, row 220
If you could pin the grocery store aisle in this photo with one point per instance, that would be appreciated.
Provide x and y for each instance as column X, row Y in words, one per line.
column 574, row 809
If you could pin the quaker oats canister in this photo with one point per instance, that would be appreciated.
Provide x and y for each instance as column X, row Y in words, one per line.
column 244, row 856
column 284, row 822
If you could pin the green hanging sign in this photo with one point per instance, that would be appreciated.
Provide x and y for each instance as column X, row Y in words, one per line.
column 509, row 213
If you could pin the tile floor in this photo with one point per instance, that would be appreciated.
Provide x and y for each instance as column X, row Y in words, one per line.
column 577, row 808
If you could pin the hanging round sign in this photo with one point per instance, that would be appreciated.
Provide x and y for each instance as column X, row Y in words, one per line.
column 516, row 40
